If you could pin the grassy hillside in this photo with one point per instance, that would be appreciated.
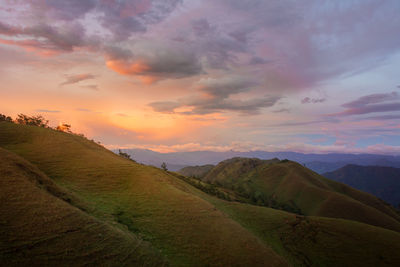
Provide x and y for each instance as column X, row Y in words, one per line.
column 383, row 182
column 196, row 171
column 171, row 220
column 157, row 207
column 290, row 186
column 38, row 225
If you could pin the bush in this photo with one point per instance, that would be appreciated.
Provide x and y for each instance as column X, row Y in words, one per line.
column 33, row 120
column 5, row 118
column 164, row 166
column 123, row 154
column 64, row 128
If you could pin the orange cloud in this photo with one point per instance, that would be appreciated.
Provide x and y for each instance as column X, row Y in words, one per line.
column 138, row 68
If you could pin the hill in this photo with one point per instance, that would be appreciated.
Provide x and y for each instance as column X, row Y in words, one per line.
column 290, row 186
column 40, row 226
column 383, row 182
column 319, row 163
column 97, row 194
column 196, row 171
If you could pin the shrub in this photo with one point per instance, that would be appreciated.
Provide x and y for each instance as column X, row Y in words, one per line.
column 5, row 118
column 63, row 127
column 164, row 166
column 32, row 120
column 123, row 154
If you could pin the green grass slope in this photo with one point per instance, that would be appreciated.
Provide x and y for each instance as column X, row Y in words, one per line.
column 292, row 187
column 318, row 241
column 196, row 171
column 149, row 206
column 39, row 226
column 155, row 206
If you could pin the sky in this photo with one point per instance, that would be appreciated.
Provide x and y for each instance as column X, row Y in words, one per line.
column 309, row 76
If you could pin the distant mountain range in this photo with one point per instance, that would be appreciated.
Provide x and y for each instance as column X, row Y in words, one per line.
column 383, row 182
column 319, row 163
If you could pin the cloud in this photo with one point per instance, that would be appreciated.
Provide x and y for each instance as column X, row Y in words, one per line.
column 122, row 18
column 238, row 146
column 165, row 106
column 123, row 115
column 369, row 109
column 93, row 87
column 47, row 39
column 281, row 110
column 48, row 111
column 225, row 86
column 371, row 99
column 308, row 100
column 64, row 25
column 153, row 62
column 71, row 79
column 201, row 27
column 383, row 117
column 303, row 123
column 258, row 61
column 371, row 104
column 125, row 17
column 215, row 96
column 84, row 110
column 63, row 10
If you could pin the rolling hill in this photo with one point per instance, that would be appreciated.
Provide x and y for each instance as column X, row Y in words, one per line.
column 196, row 171
column 65, row 199
column 290, row 186
column 319, row 163
column 383, row 182
column 39, row 225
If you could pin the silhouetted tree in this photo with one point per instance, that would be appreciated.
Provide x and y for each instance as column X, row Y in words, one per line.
column 32, row 120
column 5, row 118
column 124, row 155
column 164, row 166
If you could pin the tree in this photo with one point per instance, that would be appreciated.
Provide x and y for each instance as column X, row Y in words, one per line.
column 124, row 155
column 38, row 120
column 5, row 118
column 164, row 166
column 63, row 127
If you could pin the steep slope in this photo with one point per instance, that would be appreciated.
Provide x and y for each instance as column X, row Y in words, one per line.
column 39, row 226
column 383, row 182
column 157, row 207
column 292, row 187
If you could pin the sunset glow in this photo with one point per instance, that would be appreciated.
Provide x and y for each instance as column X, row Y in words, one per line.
column 185, row 75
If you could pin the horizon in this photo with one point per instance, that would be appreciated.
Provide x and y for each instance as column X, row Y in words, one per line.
column 190, row 75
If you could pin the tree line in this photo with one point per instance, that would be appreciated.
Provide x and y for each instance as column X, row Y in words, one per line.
column 37, row 120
